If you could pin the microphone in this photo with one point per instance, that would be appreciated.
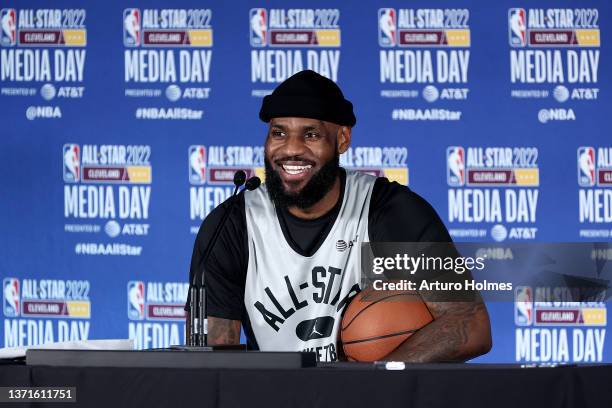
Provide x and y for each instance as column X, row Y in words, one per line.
column 239, row 179
column 197, row 290
column 252, row 183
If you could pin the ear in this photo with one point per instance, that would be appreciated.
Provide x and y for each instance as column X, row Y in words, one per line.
column 344, row 138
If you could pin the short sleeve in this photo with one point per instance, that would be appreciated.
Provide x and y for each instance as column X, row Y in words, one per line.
column 397, row 214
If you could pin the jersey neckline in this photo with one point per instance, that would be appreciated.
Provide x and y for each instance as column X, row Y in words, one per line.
column 337, row 210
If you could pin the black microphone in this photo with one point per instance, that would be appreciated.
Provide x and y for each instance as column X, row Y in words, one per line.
column 239, row 179
column 252, row 183
column 198, row 290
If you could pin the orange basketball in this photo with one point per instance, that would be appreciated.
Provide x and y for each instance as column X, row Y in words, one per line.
column 376, row 322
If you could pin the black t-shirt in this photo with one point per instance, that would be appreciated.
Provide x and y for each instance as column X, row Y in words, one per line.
column 396, row 214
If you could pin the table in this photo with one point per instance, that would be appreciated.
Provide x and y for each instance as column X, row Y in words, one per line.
column 345, row 385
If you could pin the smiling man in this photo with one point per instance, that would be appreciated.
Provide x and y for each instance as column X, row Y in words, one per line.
column 286, row 264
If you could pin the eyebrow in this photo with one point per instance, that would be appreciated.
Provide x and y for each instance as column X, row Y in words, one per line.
column 303, row 128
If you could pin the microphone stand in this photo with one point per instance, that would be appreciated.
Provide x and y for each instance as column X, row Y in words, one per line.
column 198, row 326
column 197, row 292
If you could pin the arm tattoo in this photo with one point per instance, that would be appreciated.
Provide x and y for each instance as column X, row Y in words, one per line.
column 223, row 331
column 460, row 331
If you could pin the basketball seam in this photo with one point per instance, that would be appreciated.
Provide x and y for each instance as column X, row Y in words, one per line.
column 372, row 304
column 384, row 336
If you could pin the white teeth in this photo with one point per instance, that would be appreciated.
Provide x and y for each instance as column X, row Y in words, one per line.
column 295, row 169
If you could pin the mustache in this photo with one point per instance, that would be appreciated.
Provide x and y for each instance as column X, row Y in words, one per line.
column 293, row 158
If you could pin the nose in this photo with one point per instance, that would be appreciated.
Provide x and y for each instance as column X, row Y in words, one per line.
column 293, row 146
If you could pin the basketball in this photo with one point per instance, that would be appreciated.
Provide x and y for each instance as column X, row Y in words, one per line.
column 376, row 322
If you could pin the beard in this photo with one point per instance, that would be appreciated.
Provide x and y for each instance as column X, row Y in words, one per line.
column 319, row 184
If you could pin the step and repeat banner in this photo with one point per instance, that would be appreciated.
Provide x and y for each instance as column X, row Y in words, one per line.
column 122, row 125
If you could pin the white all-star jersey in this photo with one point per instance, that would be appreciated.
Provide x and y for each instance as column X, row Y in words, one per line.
column 295, row 302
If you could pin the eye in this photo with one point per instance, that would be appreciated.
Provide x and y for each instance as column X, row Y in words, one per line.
column 312, row 135
column 277, row 133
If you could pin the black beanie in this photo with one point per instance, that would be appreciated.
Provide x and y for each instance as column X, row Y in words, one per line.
column 308, row 95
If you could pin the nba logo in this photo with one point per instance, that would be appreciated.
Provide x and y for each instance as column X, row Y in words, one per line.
column 586, row 166
column 387, row 27
column 136, row 300
column 455, row 166
column 72, row 163
column 131, row 27
column 8, row 19
column 197, row 164
column 517, row 27
column 10, row 295
column 258, row 20
column 523, row 306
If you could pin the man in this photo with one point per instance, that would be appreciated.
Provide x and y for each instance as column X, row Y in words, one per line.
column 279, row 267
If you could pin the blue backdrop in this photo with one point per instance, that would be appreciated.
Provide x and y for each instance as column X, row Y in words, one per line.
column 121, row 128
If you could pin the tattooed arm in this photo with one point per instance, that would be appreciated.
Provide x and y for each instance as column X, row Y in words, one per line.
column 220, row 331
column 459, row 331
column 223, row 331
